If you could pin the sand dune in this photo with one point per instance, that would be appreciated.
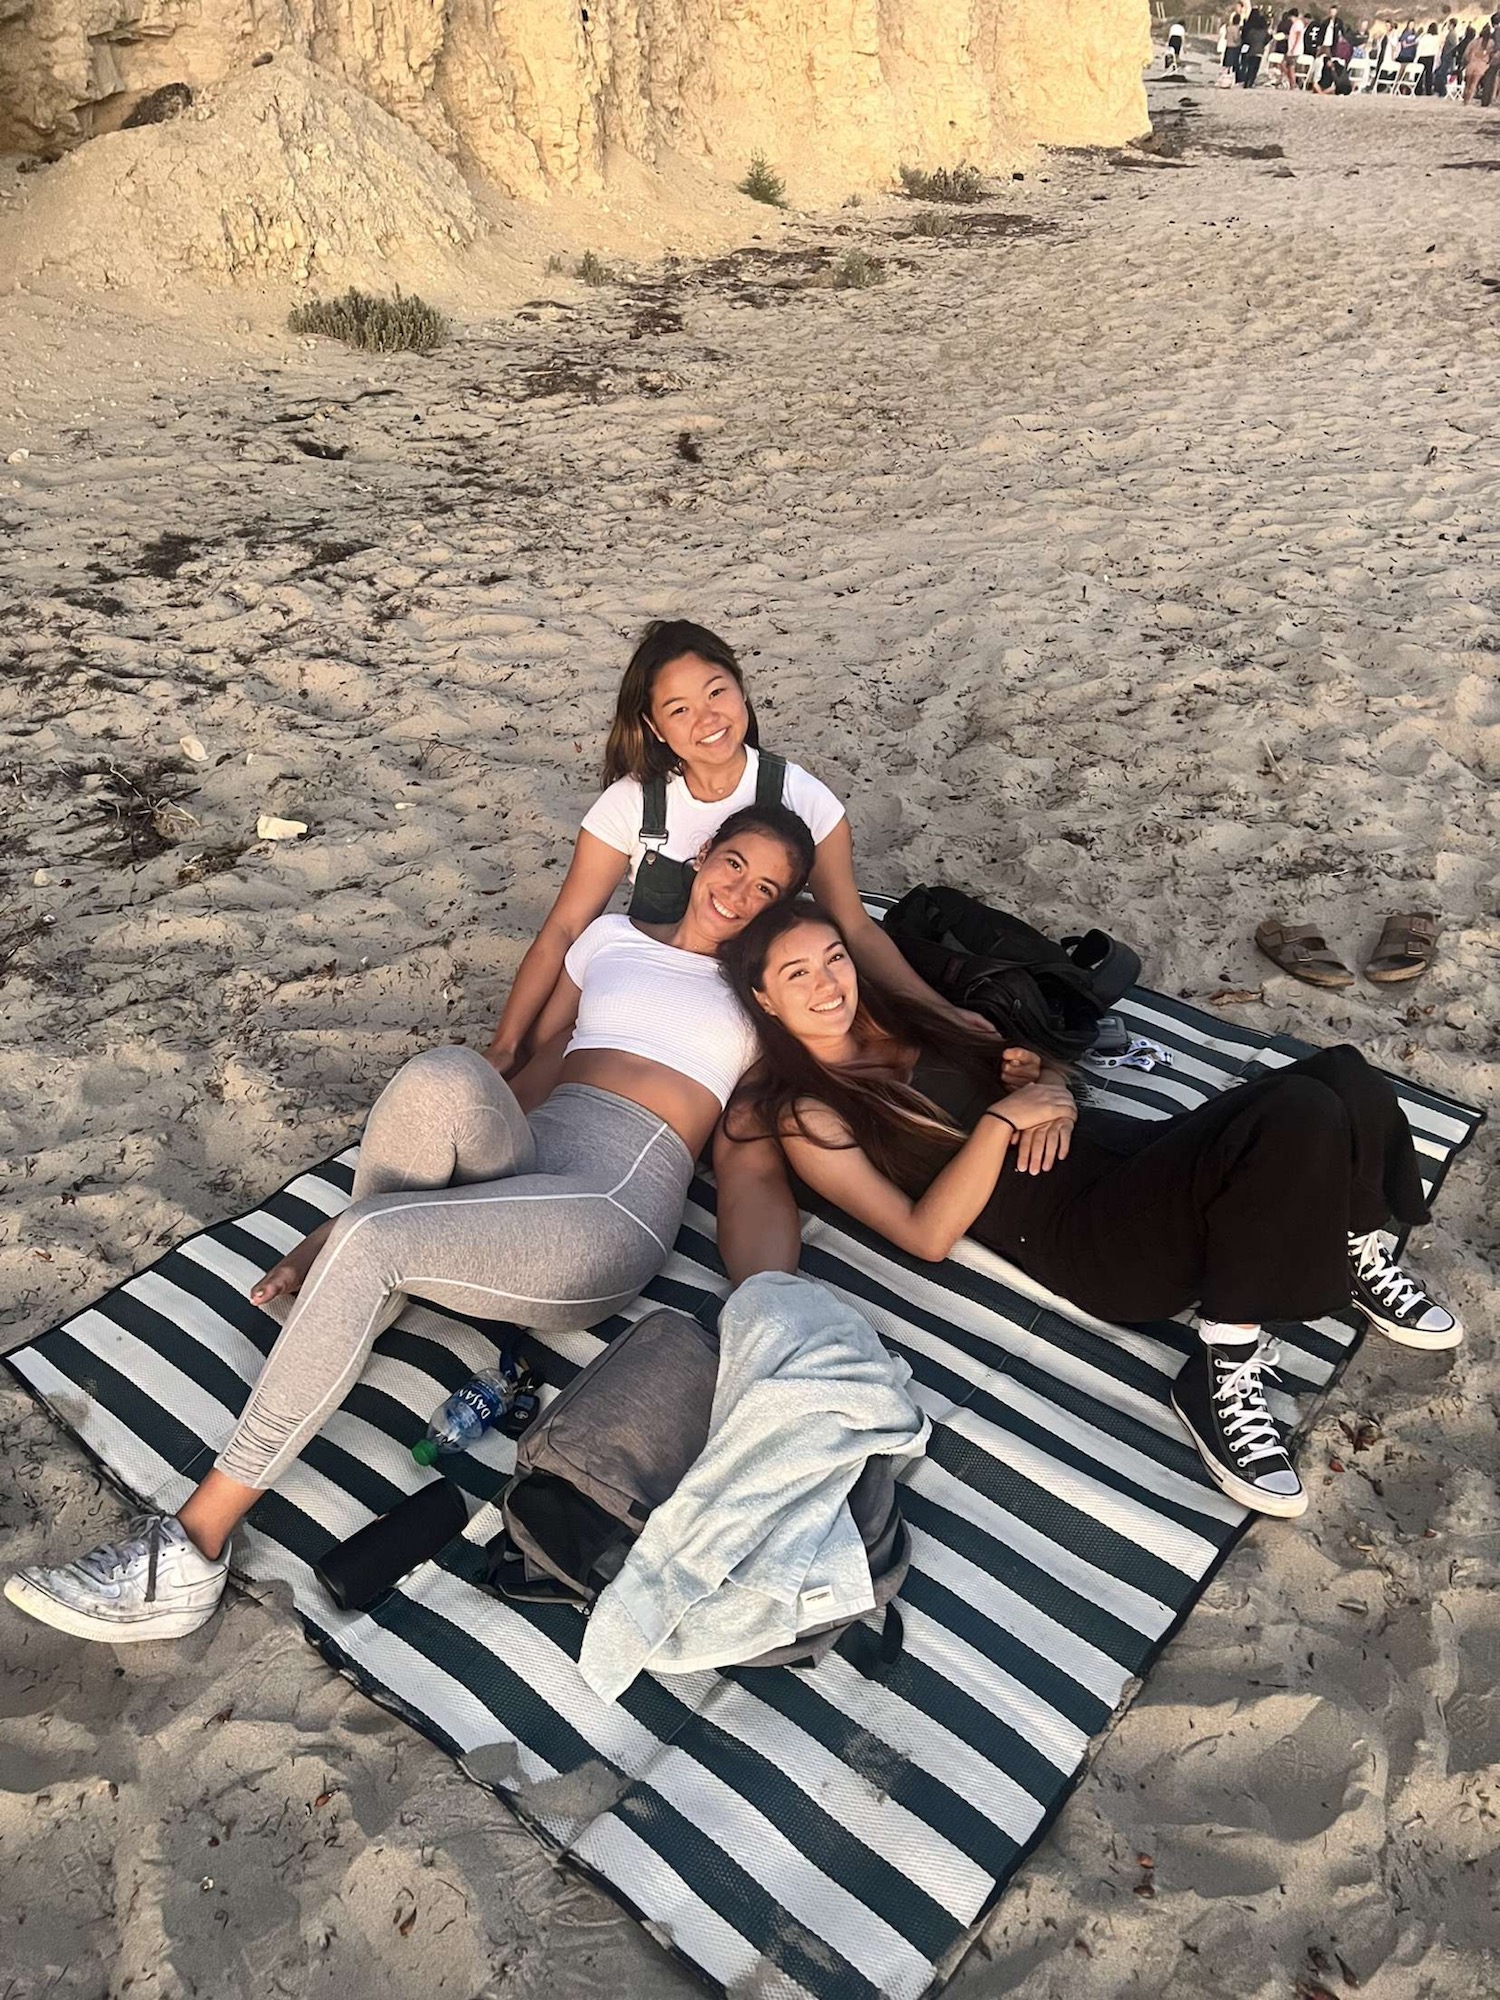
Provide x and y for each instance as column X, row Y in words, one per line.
column 1135, row 563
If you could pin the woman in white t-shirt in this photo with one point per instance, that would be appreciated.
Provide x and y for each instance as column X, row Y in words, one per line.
column 683, row 753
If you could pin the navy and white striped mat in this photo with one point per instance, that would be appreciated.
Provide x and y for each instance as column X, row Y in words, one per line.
column 788, row 1834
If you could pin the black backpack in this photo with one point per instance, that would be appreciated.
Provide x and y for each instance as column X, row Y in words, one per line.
column 662, row 885
column 1039, row 994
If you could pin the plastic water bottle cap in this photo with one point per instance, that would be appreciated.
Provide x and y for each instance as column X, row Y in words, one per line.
column 425, row 1451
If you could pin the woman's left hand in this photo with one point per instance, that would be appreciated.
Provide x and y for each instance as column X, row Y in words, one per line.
column 1040, row 1147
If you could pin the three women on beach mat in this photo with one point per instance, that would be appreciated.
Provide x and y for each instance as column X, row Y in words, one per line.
column 544, row 1183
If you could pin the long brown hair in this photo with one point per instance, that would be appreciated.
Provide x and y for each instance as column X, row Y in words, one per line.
column 904, row 1136
column 634, row 750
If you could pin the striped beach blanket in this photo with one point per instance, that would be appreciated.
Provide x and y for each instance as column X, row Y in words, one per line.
column 799, row 1836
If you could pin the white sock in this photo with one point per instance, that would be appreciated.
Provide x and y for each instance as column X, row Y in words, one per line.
column 1219, row 1333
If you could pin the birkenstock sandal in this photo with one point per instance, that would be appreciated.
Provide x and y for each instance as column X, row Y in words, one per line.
column 1302, row 950
column 1407, row 947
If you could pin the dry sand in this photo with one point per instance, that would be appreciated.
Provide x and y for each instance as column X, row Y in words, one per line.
column 1142, row 569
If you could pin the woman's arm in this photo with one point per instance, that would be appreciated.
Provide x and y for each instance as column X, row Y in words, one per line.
column 759, row 1226
column 930, row 1226
column 592, row 878
column 535, row 1083
column 873, row 950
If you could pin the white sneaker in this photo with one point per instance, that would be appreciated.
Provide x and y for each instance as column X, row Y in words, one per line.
column 153, row 1585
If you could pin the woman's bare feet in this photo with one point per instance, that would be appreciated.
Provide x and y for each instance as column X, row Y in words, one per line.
column 285, row 1278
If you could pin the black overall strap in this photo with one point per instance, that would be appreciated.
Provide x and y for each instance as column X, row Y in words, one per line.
column 770, row 779
column 654, row 810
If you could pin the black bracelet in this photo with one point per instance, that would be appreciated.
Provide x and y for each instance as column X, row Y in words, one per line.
column 1000, row 1115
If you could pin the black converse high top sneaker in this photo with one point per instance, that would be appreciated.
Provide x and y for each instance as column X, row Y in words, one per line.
column 1222, row 1403
column 1395, row 1302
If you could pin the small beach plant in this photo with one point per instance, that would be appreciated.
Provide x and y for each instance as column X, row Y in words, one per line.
column 856, row 271
column 933, row 222
column 960, row 184
column 364, row 319
column 592, row 269
column 763, row 183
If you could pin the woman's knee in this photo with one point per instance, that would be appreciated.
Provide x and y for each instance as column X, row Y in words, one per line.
column 1304, row 1105
column 452, row 1075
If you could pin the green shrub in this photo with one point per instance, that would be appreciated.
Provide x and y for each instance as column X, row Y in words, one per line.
column 555, row 263
column 593, row 270
column 385, row 326
column 946, row 184
column 933, row 222
column 856, row 271
column 762, row 183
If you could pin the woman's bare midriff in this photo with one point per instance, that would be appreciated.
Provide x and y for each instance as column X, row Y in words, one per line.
column 689, row 1108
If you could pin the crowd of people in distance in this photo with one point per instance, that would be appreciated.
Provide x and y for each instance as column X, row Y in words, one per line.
column 1336, row 55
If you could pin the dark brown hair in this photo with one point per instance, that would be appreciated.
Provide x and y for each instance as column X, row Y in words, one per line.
column 634, row 750
column 777, row 822
column 904, row 1136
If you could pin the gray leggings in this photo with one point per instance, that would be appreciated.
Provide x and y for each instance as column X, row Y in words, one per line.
column 555, row 1221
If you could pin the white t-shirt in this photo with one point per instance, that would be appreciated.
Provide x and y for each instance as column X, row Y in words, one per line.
column 615, row 816
column 650, row 999
column 1429, row 45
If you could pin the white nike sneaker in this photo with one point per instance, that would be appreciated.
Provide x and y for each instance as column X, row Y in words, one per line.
column 1395, row 1303
column 153, row 1585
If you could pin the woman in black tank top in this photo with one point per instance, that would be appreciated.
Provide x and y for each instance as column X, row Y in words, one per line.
column 1265, row 1203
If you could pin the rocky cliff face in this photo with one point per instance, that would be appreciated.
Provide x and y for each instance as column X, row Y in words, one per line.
column 538, row 94
column 533, row 97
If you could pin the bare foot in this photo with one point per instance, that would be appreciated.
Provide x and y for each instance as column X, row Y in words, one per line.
column 285, row 1278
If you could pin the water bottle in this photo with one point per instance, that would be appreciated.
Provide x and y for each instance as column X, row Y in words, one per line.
column 500, row 1395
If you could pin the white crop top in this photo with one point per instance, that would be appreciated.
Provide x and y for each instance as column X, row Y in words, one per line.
column 650, row 999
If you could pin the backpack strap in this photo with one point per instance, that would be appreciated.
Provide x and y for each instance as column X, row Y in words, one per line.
column 873, row 1654
column 770, row 779
column 654, row 811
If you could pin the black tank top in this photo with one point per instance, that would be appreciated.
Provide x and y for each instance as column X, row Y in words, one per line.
column 955, row 1091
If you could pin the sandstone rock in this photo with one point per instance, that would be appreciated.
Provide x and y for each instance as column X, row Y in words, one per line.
column 157, row 106
column 350, row 144
column 294, row 177
column 538, row 93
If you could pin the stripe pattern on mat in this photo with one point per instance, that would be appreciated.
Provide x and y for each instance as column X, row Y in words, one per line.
column 822, row 1836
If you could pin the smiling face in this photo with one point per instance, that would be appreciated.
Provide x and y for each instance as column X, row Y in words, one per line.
column 699, row 711
column 809, row 983
column 737, row 880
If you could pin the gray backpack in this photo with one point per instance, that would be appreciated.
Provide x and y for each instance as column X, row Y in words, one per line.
column 614, row 1444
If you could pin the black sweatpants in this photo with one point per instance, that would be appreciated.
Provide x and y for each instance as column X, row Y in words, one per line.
column 1242, row 1207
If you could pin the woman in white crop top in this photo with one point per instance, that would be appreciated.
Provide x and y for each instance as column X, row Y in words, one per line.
column 685, row 734
column 550, row 1204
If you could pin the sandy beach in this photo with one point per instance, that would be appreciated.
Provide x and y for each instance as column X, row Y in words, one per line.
column 1126, row 556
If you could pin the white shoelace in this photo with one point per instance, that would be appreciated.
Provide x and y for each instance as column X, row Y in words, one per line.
column 1246, row 1418
column 1386, row 1278
column 109, row 1563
